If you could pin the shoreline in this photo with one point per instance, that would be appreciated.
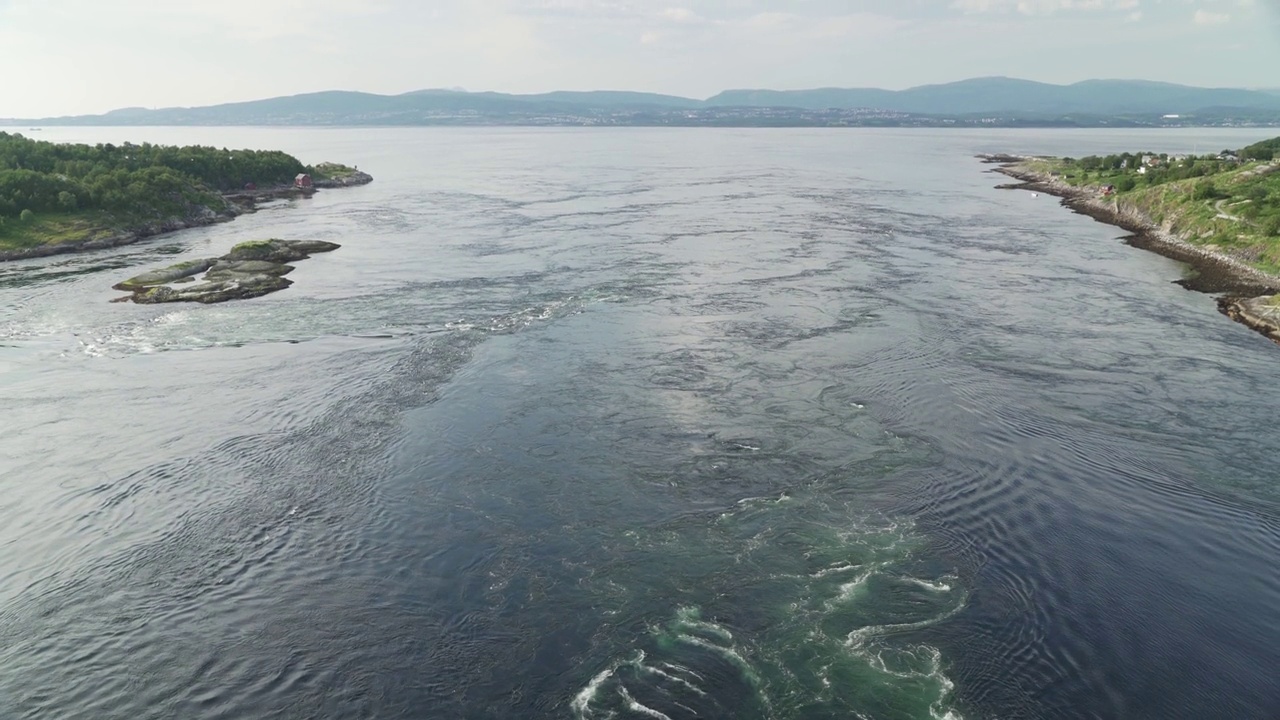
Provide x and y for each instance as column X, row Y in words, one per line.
column 1244, row 289
column 239, row 202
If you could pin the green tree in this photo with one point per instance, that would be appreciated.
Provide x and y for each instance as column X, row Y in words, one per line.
column 1204, row 190
column 1271, row 227
column 27, row 215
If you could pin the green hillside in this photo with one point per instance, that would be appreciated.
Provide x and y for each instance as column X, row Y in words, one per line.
column 1229, row 201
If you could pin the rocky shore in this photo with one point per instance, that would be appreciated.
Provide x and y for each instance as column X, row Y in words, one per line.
column 351, row 179
column 235, row 204
column 1246, row 292
column 251, row 269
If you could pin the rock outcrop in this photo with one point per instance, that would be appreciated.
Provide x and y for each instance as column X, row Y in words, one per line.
column 337, row 175
column 355, row 178
column 249, row 270
column 1259, row 313
column 162, row 276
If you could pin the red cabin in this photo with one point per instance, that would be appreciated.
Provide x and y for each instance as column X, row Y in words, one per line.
column 303, row 181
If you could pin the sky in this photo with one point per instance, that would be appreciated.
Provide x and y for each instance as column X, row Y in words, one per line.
column 70, row 57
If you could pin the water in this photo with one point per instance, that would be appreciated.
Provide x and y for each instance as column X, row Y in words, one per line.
column 642, row 424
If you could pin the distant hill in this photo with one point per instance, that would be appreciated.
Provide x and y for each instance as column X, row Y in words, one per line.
column 1010, row 100
column 1012, row 96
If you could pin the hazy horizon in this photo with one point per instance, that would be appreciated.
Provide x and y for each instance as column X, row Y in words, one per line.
column 601, row 89
column 83, row 57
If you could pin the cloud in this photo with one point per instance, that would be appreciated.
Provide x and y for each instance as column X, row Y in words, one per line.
column 1040, row 7
column 1204, row 17
column 242, row 19
column 679, row 15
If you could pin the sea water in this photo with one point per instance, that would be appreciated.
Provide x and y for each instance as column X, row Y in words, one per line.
column 642, row 423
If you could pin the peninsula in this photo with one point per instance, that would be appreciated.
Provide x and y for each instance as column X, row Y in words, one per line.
column 1220, row 213
column 60, row 198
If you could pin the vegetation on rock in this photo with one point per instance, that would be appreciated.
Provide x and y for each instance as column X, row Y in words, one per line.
column 331, row 171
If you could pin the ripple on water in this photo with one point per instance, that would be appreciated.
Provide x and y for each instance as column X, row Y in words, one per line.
column 248, row 523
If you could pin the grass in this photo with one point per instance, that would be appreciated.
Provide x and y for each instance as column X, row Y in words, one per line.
column 254, row 250
column 56, row 228
column 253, row 245
column 331, row 171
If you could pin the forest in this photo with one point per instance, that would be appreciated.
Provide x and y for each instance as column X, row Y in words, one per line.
column 136, row 180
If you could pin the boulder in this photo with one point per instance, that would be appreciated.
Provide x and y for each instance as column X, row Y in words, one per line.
column 347, row 178
column 278, row 251
column 166, row 275
column 250, row 270
column 228, row 270
column 240, row 288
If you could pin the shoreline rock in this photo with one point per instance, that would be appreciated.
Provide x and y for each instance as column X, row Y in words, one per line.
column 251, row 269
column 1257, row 313
column 1245, row 289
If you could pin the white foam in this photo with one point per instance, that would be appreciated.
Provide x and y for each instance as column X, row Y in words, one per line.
column 171, row 318
column 764, row 500
column 858, row 637
column 673, row 678
column 634, row 706
column 858, row 640
column 582, row 701
column 835, row 570
column 938, row 586
column 732, row 655
column 850, row 589
column 681, row 669
column 689, row 618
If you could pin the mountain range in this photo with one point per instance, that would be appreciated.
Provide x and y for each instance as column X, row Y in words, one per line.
column 997, row 100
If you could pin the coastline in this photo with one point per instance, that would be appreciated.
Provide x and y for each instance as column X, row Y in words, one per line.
column 240, row 202
column 1244, row 290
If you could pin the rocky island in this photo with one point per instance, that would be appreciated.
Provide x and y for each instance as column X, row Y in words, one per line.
column 60, row 198
column 1219, row 213
column 251, row 269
